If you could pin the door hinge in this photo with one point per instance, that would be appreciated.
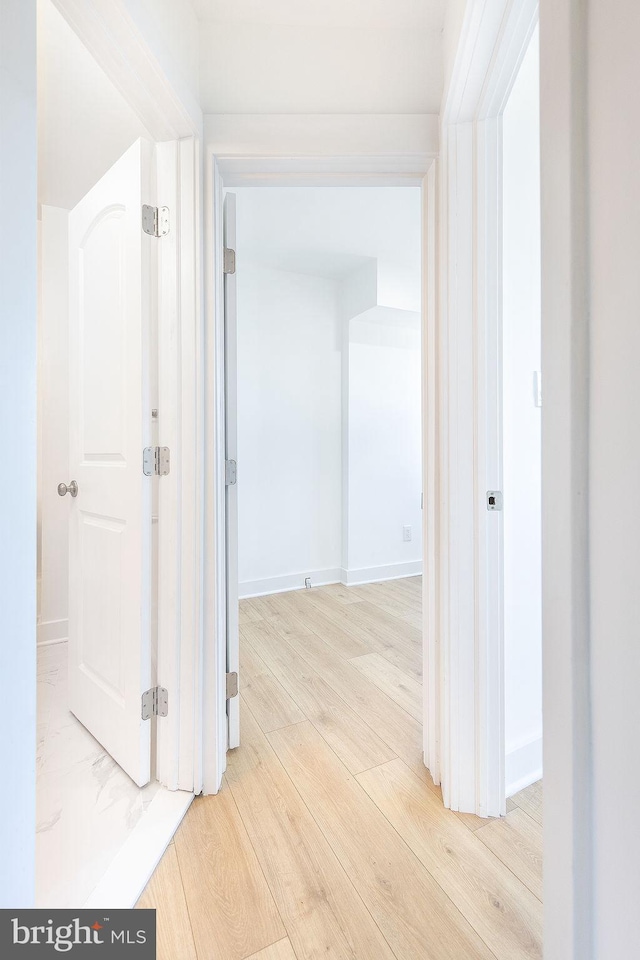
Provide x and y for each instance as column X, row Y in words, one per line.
column 229, row 260
column 230, row 472
column 155, row 703
column 156, row 461
column 232, row 685
column 155, row 220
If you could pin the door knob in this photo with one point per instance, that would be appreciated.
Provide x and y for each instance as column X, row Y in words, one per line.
column 72, row 489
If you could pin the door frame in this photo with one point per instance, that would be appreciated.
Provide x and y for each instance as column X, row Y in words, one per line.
column 226, row 172
column 174, row 122
column 494, row 39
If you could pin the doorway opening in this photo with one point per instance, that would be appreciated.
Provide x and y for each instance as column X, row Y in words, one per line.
column 326, row 402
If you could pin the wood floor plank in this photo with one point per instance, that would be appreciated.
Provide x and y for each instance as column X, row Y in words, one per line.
column 339, row 592
column 263, row 607
column 410, row 908
column 401, row 732
column 361, row 620
column 352, row 739
column 232, row 911
column 247, row 613
column 346, row 642
column 322, row 913
column 266, row 697
column 251, row 663
column 402, row 688
column 530, row 800
column 505, row 914
column 398, row 606
column 472, row 821
column 297, row 858
column 165, row 894
column 387, row 623
column 517, row 840
column 282, row 950
column 476, row 823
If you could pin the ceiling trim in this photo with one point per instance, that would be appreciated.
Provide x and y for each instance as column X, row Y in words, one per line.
column 401, row 171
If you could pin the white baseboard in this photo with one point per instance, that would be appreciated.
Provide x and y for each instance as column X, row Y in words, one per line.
column 52, row 631
column 523, row 766
column 390, row 571
column 290, row 581
column 131, row 870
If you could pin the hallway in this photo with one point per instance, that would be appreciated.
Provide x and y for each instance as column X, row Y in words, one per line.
column 328, row 838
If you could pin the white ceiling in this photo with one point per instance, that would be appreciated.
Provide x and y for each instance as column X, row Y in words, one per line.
column 335, row 56
column 336, row 13
column 332, row 231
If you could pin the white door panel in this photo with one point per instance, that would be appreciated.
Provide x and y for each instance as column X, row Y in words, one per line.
column 231, row 453
column 110, row 424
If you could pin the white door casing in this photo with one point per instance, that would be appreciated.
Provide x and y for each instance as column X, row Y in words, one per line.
column 223, row 172
column 110, row 261
column 494, row 38
column 231, row 454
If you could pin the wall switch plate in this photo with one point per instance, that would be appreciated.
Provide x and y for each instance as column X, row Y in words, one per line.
column 406, row 533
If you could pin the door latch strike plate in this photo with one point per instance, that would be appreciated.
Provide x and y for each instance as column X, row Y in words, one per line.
column 232, row 685
column 494, row 500
column 229, row 260
column 230, row 472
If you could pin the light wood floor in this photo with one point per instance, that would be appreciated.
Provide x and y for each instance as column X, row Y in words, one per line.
column 328, row 838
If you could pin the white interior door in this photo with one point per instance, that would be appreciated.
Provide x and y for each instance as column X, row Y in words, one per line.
column 110, row 424
column 231, row 454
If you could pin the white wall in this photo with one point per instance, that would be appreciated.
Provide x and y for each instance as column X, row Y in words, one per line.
column 591, row 468
column 365, row 56
column 522, row 428
column 454, row 12
column 18, row 443
column 326, row 136
column 84, row 123
column 384, row 446
column 289, row 427
column 614, row 463
column 171, row 30
column 350, row 444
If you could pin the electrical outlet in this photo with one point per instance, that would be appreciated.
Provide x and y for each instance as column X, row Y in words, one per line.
column 406, row 533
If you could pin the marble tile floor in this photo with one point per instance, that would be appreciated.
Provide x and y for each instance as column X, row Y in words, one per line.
column 86, row 805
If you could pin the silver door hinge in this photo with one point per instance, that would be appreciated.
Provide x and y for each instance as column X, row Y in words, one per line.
column 155, row 703
column 156, row 461
column 155, row 220
column 230, row 472
column 232, row 685
column 229, row 260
